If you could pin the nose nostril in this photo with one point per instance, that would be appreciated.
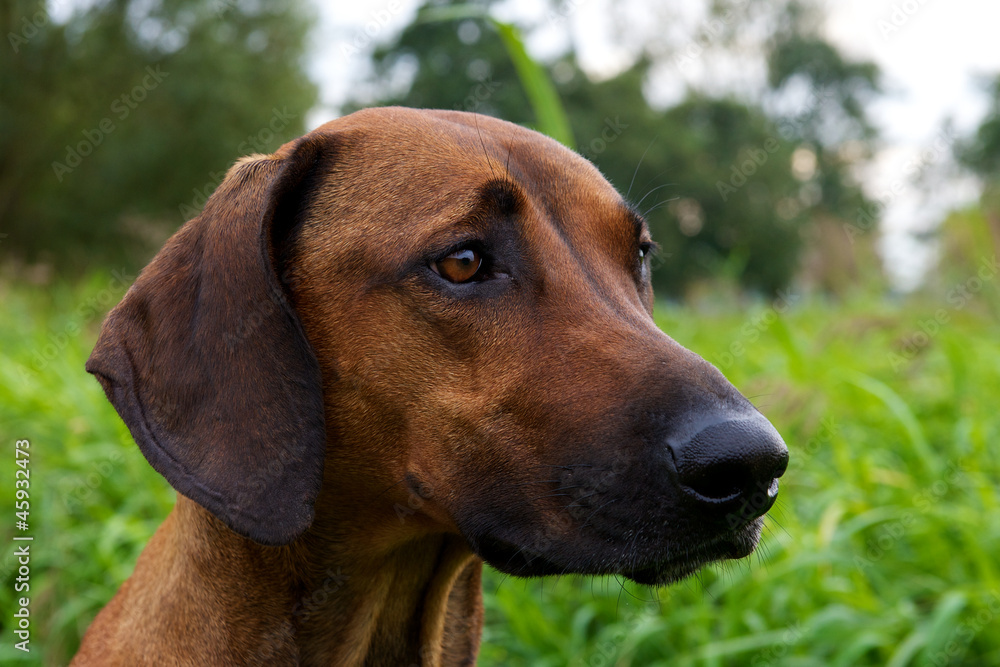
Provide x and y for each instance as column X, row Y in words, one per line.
column 722, row 481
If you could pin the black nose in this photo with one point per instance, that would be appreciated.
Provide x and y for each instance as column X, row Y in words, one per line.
column 732, row 462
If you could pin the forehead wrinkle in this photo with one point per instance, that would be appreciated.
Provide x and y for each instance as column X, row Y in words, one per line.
column 477, row 215
column 571, row 192
column 590, row 220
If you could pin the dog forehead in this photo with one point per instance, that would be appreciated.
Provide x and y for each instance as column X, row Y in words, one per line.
column 436, row 148
column 400, row 175
column 438, row 129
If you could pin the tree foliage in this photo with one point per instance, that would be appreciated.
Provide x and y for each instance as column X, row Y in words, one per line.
column 980, row 152
column 116, row 123
column 967, row 234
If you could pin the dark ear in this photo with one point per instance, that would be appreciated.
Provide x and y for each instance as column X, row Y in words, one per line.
column 207, row 364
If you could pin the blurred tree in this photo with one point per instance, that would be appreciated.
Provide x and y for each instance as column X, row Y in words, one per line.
column 117, row 123
column 831, row 117
column 728, row 186
column 819, row 99
column 980, row 154
column 451, row 65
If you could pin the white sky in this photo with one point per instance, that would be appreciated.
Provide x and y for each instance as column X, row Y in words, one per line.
column 930, row 61
column 932, row 65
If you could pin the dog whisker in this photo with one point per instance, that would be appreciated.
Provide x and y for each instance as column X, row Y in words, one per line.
column 658, row 187
column 552, row 495
column 534, row 482
column 641, row 158
column 658, row 205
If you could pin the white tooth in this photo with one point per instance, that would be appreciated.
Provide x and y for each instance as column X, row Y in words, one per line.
column 772, row 490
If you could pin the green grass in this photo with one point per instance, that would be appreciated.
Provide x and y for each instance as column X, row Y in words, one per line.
column 884, row 548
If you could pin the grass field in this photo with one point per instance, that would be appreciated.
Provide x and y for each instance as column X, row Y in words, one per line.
column 884, row 548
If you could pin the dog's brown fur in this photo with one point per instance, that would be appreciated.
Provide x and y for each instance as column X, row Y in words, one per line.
column 350, row 434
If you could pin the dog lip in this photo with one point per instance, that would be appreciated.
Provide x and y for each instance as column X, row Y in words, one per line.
column 730, row 546
column 512, row 558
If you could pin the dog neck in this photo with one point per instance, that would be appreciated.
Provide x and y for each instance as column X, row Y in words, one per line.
column 315, row 602
column 418, row 603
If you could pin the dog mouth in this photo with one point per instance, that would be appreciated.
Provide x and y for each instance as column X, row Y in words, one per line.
column 731, row 546
column 666, row 565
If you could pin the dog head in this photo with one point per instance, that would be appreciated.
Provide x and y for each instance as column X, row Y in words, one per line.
column 444, row 304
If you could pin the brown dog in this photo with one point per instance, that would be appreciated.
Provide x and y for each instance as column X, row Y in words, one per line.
column 406, row 343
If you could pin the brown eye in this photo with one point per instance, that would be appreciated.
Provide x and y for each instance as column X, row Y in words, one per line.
column 458, row 267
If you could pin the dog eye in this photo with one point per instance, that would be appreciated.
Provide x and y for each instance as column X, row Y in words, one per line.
column 646, row 250
column 460, row 266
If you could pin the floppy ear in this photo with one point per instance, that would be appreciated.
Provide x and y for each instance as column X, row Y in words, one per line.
column 207, row 364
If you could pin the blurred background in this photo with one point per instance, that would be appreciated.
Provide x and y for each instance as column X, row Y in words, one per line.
column 824, row 179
